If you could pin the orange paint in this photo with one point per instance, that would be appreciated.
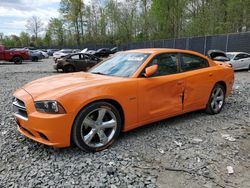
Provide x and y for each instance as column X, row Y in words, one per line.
column 143, row 100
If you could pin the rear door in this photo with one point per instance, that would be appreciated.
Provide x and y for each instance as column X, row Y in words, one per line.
column 90, row 61
column 199, row 81
column 86, row 62
column 161, row 94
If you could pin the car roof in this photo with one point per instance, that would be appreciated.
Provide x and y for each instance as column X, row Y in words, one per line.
column 235, row 53
column 159, row 50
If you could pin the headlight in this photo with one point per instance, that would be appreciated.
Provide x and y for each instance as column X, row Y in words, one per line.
column 52, row 107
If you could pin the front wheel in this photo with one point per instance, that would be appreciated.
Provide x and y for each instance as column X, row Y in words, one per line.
column 35, row 59
column 96, row 127
column 216, row 100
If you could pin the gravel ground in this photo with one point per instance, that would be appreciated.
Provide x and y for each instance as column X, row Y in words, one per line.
column 191, row 150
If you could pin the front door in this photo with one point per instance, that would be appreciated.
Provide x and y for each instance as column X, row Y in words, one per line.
column 241, row 61
column 76, row 61
column 162, row 94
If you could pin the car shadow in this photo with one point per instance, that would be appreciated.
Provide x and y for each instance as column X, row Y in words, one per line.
column 167, row 123
column 243, row 70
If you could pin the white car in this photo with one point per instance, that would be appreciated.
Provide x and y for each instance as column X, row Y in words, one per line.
column 239, row 60
column 84, row 50
column 62, row 53
column 44, row 54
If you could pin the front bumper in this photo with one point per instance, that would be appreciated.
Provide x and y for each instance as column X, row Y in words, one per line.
column 55, row 67
column 49, row 129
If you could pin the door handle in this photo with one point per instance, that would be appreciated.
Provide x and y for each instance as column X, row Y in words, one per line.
column 210, row 74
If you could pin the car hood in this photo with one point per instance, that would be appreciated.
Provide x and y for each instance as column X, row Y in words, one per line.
column 218, row 55
column 54, row 86
column 215, row 53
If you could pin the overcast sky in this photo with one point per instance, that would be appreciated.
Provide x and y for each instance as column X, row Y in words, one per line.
column 14, row 13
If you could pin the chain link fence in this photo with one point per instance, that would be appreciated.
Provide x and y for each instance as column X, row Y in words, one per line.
column 238, row 42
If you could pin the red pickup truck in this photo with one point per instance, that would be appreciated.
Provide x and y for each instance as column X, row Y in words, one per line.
column 16, row 56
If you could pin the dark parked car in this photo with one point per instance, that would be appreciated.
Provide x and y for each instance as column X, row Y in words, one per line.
column 35, row 55
column 114, row 50
column 51, row 51
column 105, row 52
column 76, row 62
column 30, row 48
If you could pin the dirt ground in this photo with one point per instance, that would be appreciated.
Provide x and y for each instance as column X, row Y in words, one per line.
column 191, row 150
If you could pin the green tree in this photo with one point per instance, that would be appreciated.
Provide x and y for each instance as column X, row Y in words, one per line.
column 72, row 12
column 25, row 39
column 56, row 31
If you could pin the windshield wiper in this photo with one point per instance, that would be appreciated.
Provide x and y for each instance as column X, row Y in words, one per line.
column 98, row 73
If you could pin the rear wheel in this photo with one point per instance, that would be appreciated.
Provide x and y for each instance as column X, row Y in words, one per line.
column 69, row 68
column 216, row 100
column 35, row 59
column 17, row 60
column 96, row 127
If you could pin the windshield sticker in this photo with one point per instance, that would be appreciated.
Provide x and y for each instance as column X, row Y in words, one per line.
column 135, row 58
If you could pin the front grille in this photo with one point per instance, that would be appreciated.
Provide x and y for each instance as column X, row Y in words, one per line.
column 19, row 109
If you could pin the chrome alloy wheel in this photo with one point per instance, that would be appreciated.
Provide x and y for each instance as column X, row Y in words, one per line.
column 98, row 127
column 217, row 99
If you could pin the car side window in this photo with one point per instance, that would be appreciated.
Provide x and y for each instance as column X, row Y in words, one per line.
column 192, row 62
column 167, row 64
column 238, row 57
column 241, row 56
column 82, row 56
column 75, row 57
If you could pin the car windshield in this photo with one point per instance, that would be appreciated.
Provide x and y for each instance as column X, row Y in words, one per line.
column 122, row 65
column 230, row 56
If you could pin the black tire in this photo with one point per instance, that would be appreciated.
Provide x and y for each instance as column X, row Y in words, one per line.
column 69, row 68
column 214, row 106
column 17, row 60
column 35, row 59
column 80, row 130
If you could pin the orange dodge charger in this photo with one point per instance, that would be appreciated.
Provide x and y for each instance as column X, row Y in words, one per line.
column 128, row 90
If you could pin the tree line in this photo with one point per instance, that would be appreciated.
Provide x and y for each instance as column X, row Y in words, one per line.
column 118, row 22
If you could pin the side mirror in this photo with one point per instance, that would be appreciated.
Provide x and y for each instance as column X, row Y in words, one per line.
column 221, row 58
column 150, row 70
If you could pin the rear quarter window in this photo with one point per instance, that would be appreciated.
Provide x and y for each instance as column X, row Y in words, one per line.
column 192, row 62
